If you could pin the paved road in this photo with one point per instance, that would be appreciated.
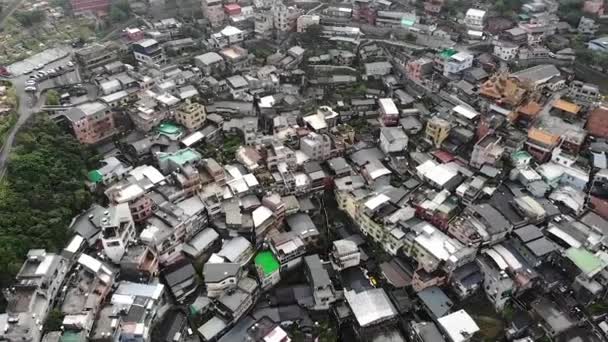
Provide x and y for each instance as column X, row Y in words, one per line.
column 30, row 103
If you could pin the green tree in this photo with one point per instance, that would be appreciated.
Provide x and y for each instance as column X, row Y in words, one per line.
column 52, row 97
column 42, row 190
column 54, row 320
column 30, row 18
column 117, row 15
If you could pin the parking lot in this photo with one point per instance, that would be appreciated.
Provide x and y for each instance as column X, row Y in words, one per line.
column 45, row 57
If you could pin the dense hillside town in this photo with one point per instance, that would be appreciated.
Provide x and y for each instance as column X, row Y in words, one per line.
column 278, row 170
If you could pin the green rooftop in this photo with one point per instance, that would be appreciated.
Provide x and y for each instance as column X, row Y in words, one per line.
column 519, row 155
column 181, row 157
column 71, row 336
column 447, row 53
column 267, row 262
column 589, row 263
column 407, row 22
column 95, row 176
column 169, row 128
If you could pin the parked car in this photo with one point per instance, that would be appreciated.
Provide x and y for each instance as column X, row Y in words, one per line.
column 39, row 66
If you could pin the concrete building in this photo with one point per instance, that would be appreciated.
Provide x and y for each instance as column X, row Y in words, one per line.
column 221, row 278
column 191, row 115
column 96, row 55
column 389, row 113
column 487, row 151
column 304, row 21
column 344, row 254
column 264, row 24
column 288, row 248
column 149, row 52
column 474, row 19
column 457, row 63
column 31, row 297
column 497, row 284
column 505, row 50
column 436, row 131
column 323, row 290
column 316, row 146
column 213, row 10
column 117, row 230
column 393, row 140
column 92, row 122
column 210, row 63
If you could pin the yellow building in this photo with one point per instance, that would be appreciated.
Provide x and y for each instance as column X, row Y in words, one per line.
column 437, row 131
column 191, row 115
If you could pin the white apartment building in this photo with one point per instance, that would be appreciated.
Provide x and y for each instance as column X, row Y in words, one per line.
column 316, row 146
column 505, row 50
column 458, row 63
column 344, row 254
column 117, row 229
column 474, row 19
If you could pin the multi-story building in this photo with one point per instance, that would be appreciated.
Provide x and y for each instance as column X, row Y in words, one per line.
column 210, row 63
column 117, row 230
column 289, row 248
column 497, row 284
column 316, row 146
column 268, row 269
column 214, row 12
column 393, row 140
column 323, row 290
column 306, row 20
column 433, row 249
column 416, row 69
column 344, row 254
column 457, row 63
column 584, row 92
column 488, row 151
column 96, row 55
column 284, row 17
column 264, row 24
column 92, row 122
column 149, row 52
column 32, row 295
column 221, row 277
column 191, row 115
column 437, row 130
column 505, row 50
column 389, row 113
column 474, row 19
column 141, row 313
column 480, row 224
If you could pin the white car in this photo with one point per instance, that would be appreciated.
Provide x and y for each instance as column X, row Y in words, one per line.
column 30, row 88
column 70, row 64
column 39, row 66
column 30, row 82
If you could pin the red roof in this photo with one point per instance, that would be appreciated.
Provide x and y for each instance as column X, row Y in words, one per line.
column 443, row 156
column 597, row 124
column 232, row 7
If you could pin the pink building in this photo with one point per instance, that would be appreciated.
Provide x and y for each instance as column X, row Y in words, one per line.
column 134, row 34
column 416, row 69
column 90, row 6
column 92, row 122
column 433, row 6
column 213, row 10
column 594, row 7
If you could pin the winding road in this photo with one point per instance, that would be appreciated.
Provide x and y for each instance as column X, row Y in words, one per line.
column 29, row 104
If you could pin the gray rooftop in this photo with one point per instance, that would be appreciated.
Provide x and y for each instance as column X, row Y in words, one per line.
column 319, row 275
column 436, row 301
column 215, row 273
